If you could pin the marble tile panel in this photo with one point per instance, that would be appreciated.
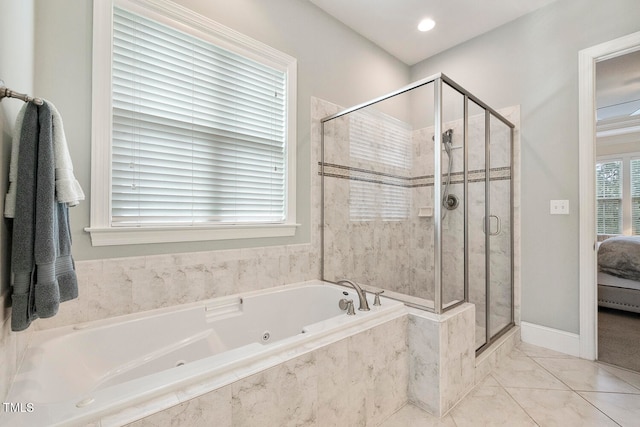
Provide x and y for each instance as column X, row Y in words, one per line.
column 559, row 408
column 207, row 410
column 391, row 367
column 333, row 379
column 622, row 408
column 457, row 356
column 361, row 375
column 155, row 289
column 584, row 375
column 424, row 363
column 109, row 294
column 219, row 279
column 268, row 267
column 88, row 269
column 283, row 395
column 247, row 274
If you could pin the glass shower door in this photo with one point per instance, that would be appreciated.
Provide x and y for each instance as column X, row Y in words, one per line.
column 500, row 252
column 477, row 276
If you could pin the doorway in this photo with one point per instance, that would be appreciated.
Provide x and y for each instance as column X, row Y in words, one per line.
column 588, row 59
column 617, row 210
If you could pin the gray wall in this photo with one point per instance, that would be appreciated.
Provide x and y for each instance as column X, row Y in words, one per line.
column 533, row 61
column 333, row 64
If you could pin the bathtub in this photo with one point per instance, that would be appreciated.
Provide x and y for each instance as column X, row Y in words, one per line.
column 83, row 373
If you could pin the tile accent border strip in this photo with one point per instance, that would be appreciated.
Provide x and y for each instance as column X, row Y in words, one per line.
column 359, row 174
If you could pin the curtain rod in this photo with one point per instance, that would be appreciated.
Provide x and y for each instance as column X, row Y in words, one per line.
column 5, row 92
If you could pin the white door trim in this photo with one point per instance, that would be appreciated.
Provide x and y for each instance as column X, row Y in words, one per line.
column 587, row 59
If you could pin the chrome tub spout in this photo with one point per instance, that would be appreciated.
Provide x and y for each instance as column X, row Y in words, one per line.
column 362, row 294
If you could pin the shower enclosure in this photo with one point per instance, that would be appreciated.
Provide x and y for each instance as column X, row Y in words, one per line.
column 417, row 201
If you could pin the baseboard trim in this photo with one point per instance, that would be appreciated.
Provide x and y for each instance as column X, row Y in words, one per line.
column 553, row 339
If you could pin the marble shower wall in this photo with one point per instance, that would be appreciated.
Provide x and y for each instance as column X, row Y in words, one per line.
column 393, row 249
column 368, row 200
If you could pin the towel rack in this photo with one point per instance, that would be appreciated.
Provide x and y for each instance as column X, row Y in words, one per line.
column 5, row 92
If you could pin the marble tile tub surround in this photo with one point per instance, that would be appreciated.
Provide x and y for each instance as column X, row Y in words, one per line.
column 441, row 357
column 355, row 381
column 113, row 287
column 360, row 380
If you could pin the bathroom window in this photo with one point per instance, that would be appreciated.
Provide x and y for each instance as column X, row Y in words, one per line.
column 609, row 197
column 618, row 195
column 371, row 201
column 635, row 196
column 194, row 129
column 379, row 148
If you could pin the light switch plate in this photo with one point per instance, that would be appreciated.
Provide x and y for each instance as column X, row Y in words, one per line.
column 559, row 207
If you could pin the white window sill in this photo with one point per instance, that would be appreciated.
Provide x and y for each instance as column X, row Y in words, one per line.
column 111, row 236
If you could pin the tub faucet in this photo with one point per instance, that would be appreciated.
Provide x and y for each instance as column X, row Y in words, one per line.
column 362, row 294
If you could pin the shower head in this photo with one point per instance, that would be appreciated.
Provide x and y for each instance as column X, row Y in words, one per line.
column 447, row 140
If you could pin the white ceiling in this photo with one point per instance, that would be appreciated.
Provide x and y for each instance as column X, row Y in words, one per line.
column 392, row 24
column 618, row 86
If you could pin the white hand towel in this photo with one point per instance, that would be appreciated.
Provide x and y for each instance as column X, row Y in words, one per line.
column 68, row 189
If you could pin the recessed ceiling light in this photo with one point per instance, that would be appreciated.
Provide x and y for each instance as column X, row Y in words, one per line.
column 426, row 24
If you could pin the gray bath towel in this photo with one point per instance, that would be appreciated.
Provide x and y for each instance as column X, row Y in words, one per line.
column 41, row 260
column 22, row 258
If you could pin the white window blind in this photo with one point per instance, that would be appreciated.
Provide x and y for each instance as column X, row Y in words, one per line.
column 370, row 201
column 379, row 143
column 635, row 196
column 609, row 197
column 379, row 139
column 198, row 131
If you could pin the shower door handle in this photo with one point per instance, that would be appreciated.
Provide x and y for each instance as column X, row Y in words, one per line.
column 498, row 225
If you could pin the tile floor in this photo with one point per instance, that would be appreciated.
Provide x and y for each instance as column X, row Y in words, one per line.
column 539, row 387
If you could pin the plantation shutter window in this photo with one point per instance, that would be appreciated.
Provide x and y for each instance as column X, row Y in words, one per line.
column 609, row 197
column 199, row 133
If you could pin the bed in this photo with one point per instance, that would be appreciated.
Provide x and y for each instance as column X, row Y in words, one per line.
column 619, row 273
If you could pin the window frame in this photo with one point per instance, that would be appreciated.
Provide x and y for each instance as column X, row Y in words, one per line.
column 612, row 159
column 168, row 13
column 626, row 199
